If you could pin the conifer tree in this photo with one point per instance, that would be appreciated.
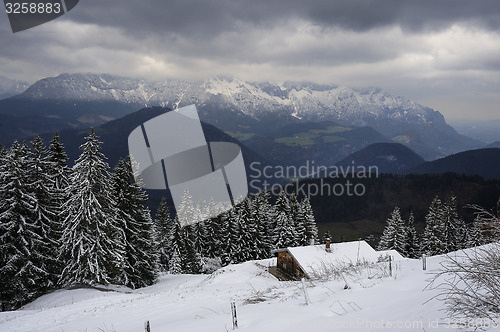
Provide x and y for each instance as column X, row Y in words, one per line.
column 186, row 211
column 229, row 237
column 20, row 272
column 433, row 240
column 47, row 211
column 134, row 219
column 177, row 247
column 214, row 236
column 474, row 236
column 247, row 248
column 92, row 241
column 298, row 218
column 286, row 234
column 452, row 225
column 311, row 229
column 200, row 238
column 191, row 260
column 285, row 227
column 327, row 236
column 175, row 262
column 263, row 212
column 164, row 226
column 412, row 248
column 60, row 176
column 394, row 235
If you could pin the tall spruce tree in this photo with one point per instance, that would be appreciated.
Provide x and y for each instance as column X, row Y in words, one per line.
column 191, row 260
column 412, row 245
column 394, row 235
column 42, row 178
column 134, row 218
column 474, row 235
column 20, row 272
column 452, row 225
column 263, row 213
column 229, row 237
column 164, row 226
column 311, row 231
column 186, row 212
column 92, row 240
column 298, row 218
column 433, row 239
column 285, row 227
column 214, row 236
column 245, row 230
column 327, row 236
column 175, row 263
column 59, row 174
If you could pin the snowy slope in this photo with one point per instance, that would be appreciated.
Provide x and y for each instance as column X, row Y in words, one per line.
column 374, row 302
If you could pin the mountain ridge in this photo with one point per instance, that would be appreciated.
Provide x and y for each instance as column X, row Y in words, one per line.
column 230, row 103
column 10, row 87
column 482, row 162
column 393, row 158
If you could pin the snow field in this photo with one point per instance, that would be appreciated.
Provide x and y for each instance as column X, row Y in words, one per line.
column 375, row 301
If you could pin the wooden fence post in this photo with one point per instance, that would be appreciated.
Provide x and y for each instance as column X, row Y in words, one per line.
column 390, row 265
column 235, row 318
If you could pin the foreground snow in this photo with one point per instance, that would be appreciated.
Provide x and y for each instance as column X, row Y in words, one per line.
column 374, row 302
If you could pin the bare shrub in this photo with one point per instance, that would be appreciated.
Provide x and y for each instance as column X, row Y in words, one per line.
column 339, row 271
column 488, row 221
column 469, row 283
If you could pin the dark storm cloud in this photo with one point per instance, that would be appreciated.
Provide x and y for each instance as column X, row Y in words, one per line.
column 416, row 48
column 211, row 17
column 414, row 16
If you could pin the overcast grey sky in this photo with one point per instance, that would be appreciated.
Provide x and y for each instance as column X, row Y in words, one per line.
column 442, row 53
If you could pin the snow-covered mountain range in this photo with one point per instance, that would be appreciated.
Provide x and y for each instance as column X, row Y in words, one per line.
column 235, row 105
column 307, row 101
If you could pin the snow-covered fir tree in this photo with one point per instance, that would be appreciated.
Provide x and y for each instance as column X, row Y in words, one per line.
column 42, row 182
column 214, row 236
column 60, row 176
column 164, row 226
column 191, row 260
column 92, row 241
column 20, row 269
column 311, row 229
column 297, row 215
column 394, row 234
column 186, row 210
column 412, row 247
column 327, row 236
column 175, row 263
column 215, row 230
column 285, row 226
column 474, row 235
column 134, row 218
column 245, row 229
column 229, row 237
column 433, row 240
column 263, row 213
column 177, row 248
column 200, row 238
column 454, row 230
